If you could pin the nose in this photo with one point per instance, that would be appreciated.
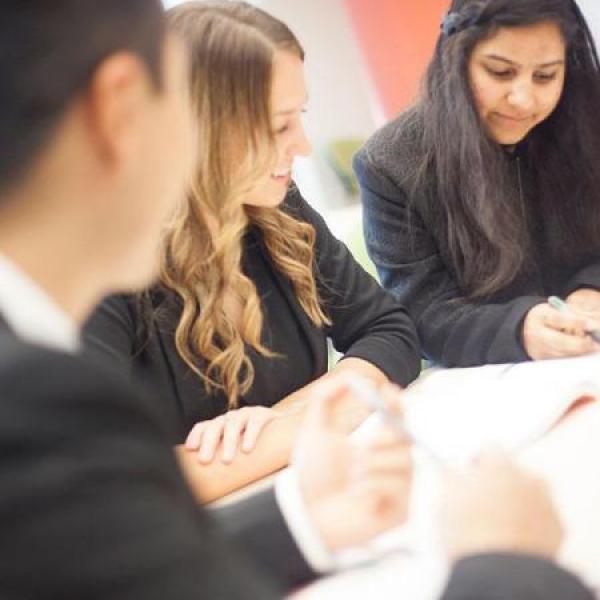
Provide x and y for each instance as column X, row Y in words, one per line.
column 301, row 146
column 522, row 96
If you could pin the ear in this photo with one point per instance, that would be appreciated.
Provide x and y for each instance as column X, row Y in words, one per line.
column 117, row 98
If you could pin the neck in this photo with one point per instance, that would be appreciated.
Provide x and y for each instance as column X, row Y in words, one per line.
column 51, row 251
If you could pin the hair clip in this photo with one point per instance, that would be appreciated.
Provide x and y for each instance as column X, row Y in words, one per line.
column 455, row 22
column 451, row 23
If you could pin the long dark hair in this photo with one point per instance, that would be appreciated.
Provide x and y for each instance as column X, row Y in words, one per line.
column 488, row 235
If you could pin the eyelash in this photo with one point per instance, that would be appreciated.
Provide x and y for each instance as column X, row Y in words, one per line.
column 283, row 129
column 544, row 78
column 541, row 77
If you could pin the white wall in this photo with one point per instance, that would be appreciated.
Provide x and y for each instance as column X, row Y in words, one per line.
column 591, row 10
column 340, row 101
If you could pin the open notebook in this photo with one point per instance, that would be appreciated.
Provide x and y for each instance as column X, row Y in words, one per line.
column 456, row 413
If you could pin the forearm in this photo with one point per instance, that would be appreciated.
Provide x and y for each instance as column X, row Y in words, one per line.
column 467, row 335
column 361, row 368
column 275, row 443
column 272, row 452
column 350, row 413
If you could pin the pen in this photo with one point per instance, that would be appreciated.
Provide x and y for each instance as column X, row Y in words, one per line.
column 369, row 394
column 562, row 307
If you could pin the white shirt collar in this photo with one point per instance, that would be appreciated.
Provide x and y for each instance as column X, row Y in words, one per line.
column 31, row 313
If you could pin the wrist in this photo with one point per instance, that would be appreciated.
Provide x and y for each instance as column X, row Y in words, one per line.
column 325, row 515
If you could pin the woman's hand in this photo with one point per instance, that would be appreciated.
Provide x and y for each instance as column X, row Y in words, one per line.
column 586, row 302
column 235, row 430
column 548, row 333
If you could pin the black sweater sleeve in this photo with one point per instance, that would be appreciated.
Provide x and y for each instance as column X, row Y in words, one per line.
column 587, row 277
column 93, row 504
column 366, row 321
column 512, row 577
column 258, row 527
column 453, row 333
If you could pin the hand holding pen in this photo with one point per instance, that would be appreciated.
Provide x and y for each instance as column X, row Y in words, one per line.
column 585, row 301
column 371, row 396
column 589, row 328
column 556, row 330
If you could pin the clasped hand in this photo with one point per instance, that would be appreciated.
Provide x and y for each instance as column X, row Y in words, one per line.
column 548, row 333
column 226, row 434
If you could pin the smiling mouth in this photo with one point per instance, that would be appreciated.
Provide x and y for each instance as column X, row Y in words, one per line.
column 513, row 119
column 281, row 175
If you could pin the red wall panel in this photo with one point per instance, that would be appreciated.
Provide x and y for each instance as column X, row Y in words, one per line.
column 397, row 38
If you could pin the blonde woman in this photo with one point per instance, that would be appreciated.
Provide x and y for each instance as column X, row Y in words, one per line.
column 252, row 282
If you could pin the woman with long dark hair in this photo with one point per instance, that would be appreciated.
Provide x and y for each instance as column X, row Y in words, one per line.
column 483, row 198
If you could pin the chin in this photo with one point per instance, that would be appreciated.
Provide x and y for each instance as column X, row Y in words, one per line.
column 510, row 139
column 267, row 200
column 145, row 274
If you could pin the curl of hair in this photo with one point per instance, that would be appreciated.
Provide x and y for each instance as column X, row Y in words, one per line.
column 232, row 46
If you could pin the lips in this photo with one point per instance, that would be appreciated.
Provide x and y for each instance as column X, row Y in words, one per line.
column 513, row 119
column 282, row 174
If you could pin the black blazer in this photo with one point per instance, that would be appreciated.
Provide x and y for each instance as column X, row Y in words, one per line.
column 366, row 323
column 93, row 505
column 512, row 577
column 406, row 235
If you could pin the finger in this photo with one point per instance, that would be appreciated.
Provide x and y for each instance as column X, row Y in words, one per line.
column 390, row 463
column 558, row 321
column 253, row 429
column 211, row 438
column 592, row 324
column 385, row 497
column 388, row 438
column 233, row 427
column 392, row 395
column 557, row 344
column 194, row 437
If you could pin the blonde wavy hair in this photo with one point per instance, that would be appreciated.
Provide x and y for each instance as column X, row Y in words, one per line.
column 231, row 45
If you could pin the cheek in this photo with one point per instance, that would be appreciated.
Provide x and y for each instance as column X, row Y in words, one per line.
column 484, row 94
column 483, row 99
column 551, row 99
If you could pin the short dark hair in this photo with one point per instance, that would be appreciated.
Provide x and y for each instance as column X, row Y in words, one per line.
column 49, row 50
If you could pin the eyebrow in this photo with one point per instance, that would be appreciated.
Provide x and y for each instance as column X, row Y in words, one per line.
column 285, row 113
column 291, row 111
column 553, row 63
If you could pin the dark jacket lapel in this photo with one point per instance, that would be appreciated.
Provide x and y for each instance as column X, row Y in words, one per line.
column 314, row 336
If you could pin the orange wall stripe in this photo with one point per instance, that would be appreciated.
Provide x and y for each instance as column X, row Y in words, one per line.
column 397, row 38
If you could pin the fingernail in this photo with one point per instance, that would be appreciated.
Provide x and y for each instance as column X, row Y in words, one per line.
column 204, row 456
